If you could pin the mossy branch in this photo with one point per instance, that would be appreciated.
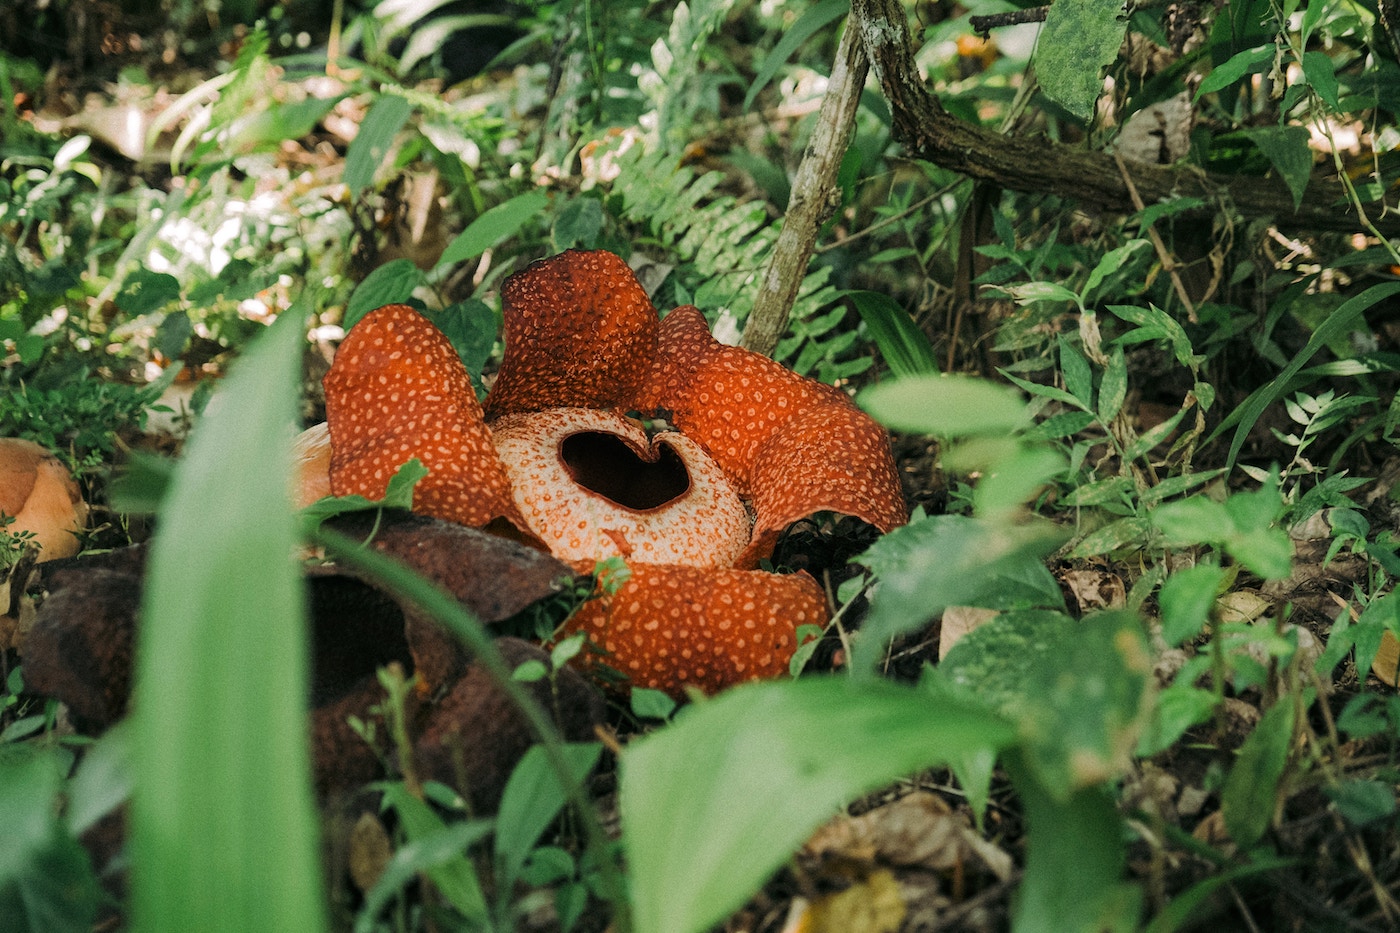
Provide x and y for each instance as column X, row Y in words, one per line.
column 1036, row 164
column 813, row 199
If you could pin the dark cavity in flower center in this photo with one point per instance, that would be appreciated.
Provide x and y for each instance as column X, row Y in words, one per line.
column 605, row 464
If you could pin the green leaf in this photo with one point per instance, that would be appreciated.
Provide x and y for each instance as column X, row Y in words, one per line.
column 951, row 560
column 1340, row 321
column 1079, row 377
column 1235, row 68
column 1078, row 691
column 1363, row 802
column 1113, row 261
column 810, row 22
column 391, row 283
column 1176, row 485
column 904, row 346
column 651, row 704
column 1153, row 436
column 1065, row 424
column 1073, row 882
column 1079, row 39
column 493, row 226
column 145, row 291
column 946, row 406
column 471, row 326
column 1129, row 532
column 1186, row 600
column 427, row 854
column 578, row 224
column 222, row 823
column 1111, row 490
column 1251, row 789
column 371, row 144
column 1321, row 73
column 1177, row 205
column 1113, row 387
column 1178, row 914
column 1287, row 148
column 398, row 494
column 103, row 780
column 530, row 802
column 1196, row 520
column 1054, row 393
column 452, row 872
column 1012, row 481
column 1040, row 291
column 1179, row 707
column 173, row 335
column 46, row 880
column 716, row 802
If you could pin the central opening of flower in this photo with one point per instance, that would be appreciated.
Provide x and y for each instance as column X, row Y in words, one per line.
column 604, row 464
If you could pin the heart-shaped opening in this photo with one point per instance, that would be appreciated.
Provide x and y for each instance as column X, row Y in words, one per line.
column 606, row 465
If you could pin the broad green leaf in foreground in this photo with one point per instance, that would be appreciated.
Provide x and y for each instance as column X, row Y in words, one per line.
column 223, row 828
column 1079, row 39
column 1073, row 881
column 46, row 880
column 952, row 560
column 946, row 406
column 1078, row 691
column 714, row 803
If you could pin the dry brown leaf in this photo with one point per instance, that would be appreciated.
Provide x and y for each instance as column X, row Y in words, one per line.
column 918, row 830
column 870, row 906
column 370, row 851
column 1096, row 589
column 957, row 622
column 1241, row 606
column 1387, row 660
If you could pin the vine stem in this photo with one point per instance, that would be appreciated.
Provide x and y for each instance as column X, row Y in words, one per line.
column 814, row 197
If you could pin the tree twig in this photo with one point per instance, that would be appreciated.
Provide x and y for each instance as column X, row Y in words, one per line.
column 814, row 197
column 1168, row 262
column 983, row 25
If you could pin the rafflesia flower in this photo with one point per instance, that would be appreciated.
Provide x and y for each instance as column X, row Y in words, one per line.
column 555, row 456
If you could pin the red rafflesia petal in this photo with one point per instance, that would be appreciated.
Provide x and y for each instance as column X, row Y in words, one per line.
column 834, row 458
column 397, row 390
column 669, row 627
column 580, row 332
column 793, row 445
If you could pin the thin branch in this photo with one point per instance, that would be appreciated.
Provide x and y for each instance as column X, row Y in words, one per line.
column 929, row 132
column 983, row 25
column 814, row 197
column 1168, row 262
